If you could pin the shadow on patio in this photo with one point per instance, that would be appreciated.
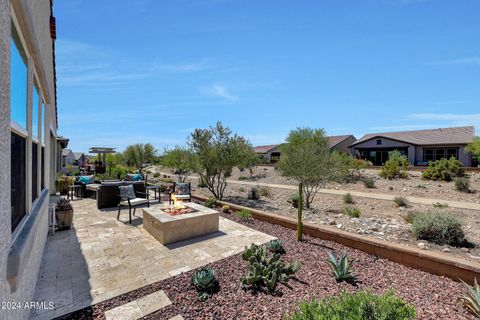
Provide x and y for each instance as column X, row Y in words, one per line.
column 102, row 257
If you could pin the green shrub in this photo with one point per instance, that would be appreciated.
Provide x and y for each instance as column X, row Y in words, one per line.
column 361, row 305
column 444, row 170
column 266, row 269
column 156, row 174
column 167, row 180
column 244, row 214
column 471, row 299
column 63, row 182
column 353, row 212
column 395, row 167
column 369, row 183
column 211, row 202
column 242, row 189
column 462, row 184
column 440, row 205
column 439, row 228
column 205, row 282
column 341, row 268
column 410, row 216
column 253, row 194
column 263, row 192
column 226, row 209
column 348, row 198
column 421, row 186
column 401, row 201
column 242, row 178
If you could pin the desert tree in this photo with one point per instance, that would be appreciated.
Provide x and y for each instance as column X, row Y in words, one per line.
column 306, row 158
column 137, row 155
column 217, row 151
column 474, row 149
column 181, row 159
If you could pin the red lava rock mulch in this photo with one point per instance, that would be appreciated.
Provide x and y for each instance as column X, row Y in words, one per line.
column 434, row 297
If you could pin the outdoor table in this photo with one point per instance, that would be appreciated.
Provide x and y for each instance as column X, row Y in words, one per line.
column 154, row 188
column 74, row 190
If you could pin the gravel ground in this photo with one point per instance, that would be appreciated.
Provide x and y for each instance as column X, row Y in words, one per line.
column 434, row 297
column 379, row 218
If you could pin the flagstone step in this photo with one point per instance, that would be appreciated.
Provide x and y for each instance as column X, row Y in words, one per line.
column 177, row 317
column 139, row 308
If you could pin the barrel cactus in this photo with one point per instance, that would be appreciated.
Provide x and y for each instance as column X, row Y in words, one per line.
column 266, row 269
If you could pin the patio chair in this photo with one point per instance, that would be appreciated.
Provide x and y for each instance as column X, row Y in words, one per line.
column 131, row 199
column 182, row 191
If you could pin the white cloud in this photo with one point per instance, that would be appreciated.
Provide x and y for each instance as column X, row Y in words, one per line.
column 219, row 90
column 182, row 68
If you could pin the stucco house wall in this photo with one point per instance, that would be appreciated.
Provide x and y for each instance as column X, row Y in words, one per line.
column 463, row 156
column 344, row 145
column 21, row 252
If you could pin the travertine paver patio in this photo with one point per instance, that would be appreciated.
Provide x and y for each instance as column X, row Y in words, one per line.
column 101, row 257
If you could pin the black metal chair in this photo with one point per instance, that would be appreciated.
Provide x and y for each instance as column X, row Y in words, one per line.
column 182, row 191
column 131, row 199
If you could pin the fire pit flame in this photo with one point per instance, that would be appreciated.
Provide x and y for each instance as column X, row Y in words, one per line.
column 178, row 207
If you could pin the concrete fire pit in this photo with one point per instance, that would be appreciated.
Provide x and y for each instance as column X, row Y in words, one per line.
column 168, row 228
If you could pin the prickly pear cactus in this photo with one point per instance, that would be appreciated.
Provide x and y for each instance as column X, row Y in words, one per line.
column 265, row 269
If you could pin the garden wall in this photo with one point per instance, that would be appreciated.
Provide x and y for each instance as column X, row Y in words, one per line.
column 432, row 262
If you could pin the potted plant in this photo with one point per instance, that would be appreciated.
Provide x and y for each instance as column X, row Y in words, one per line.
column 63, row 214
column 62, row 184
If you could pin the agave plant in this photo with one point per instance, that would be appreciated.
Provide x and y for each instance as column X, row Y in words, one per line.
column 341, row 268
column 205, row 282
column 276, row 246
column 63, row 205
column 471, row 299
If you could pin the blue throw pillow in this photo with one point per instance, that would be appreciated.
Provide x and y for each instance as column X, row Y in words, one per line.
column 127, row 192
column 84, row 179
column 137, row 177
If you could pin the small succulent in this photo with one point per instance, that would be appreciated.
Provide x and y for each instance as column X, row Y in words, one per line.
column 353, row 212
column 471, row 299
column 226, row 209
column 205, row 282
column 341, row 268
column 63, row 205
column 348, row 198
column 244, row 214
column 211, row 202
column 276, row 246
column 401, row 202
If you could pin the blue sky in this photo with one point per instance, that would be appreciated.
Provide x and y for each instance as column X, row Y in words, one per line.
column 152, row 71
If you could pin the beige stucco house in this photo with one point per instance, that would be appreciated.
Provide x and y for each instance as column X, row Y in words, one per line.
column 28, row 145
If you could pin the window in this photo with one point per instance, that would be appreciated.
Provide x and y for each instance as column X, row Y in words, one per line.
column 42, row 172
column 428, row 155
column 34, row 171
column 452, row 152
column 42, row 117
column 439, row 153
column 18, row 83
column 35, row 113
column 379, row 141
column 18, row 179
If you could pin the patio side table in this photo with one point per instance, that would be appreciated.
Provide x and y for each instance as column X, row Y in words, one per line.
column 155, row 189
column 74, row 190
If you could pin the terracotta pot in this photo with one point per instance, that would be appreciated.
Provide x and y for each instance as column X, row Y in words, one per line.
column 64, row 219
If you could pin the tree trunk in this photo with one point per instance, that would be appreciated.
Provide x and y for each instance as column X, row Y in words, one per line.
column 299, row 217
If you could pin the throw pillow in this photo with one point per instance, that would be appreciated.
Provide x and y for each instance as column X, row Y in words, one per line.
column 127, row 192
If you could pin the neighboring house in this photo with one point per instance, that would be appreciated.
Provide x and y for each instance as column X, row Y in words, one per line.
column 420, row 146
column 28, row 146
column 80, row 159
column 271, row 153
column 341, row 143
column 68, row 158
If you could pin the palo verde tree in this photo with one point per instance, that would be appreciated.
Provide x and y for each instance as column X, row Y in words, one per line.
column 137, row 155
column 474, row 149
column 306, row 158
column 217, row 151
column 181, row 160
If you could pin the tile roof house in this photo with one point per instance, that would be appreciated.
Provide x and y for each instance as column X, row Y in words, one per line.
column 420, row 146
column 271, row 153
